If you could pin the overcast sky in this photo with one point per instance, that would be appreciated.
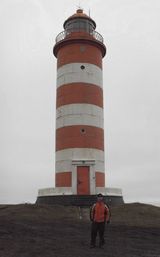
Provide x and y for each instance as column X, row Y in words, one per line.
column 131, row 78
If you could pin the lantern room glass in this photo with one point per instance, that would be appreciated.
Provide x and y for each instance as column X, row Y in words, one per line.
column 77, row 25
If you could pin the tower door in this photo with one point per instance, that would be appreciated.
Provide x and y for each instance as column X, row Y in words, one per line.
column 83, row 180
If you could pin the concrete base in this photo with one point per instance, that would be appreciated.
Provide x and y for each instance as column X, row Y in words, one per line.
column 78, row 200
column 112, row 197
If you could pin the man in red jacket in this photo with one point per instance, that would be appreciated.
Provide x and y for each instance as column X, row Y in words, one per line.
column 99, row 215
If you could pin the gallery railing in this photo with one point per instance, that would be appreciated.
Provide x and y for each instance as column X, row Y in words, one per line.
column 62, row 35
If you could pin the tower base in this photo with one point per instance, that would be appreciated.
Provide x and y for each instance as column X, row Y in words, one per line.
column 46, row 196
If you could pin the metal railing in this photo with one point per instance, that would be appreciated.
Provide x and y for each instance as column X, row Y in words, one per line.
column 62, row 35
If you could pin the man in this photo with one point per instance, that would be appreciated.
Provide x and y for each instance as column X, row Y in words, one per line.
column 99, row 215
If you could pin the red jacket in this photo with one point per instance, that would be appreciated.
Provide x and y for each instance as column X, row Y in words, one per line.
column 99, row 212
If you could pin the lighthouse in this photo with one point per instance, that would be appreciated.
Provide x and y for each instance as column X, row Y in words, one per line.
column 79, row 50
column 79, row 151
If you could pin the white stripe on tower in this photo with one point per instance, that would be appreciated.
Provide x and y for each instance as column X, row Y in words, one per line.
column 73, row 153
column 64, row 158
column 66, row 166
column 79, row 72
column 79, row 114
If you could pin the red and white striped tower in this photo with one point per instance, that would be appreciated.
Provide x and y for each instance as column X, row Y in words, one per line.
column 80, row 170
column 79, row 50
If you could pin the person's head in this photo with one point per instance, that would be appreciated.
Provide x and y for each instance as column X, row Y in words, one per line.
column 100, row 197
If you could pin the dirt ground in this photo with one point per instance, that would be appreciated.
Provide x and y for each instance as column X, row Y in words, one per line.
column 43, row 231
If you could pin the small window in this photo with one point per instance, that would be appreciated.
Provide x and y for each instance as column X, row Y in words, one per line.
column 82, row 131
column 82, row 67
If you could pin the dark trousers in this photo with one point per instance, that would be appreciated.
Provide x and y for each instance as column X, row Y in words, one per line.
column 97, row 228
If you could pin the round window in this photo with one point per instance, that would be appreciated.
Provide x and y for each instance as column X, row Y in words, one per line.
column 82, row 67
column 83, row 131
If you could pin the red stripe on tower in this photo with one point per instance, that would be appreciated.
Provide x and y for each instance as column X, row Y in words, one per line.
column 71, row 53
column 79, row 93
column 79, row 136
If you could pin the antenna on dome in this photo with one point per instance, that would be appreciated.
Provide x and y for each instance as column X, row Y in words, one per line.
column 79, row 5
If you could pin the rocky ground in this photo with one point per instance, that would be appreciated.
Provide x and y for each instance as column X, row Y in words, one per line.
column 43, row 231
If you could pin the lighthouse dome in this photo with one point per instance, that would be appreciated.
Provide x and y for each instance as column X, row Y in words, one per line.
column 79, row 22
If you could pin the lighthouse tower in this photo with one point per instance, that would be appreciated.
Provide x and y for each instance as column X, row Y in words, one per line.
column 79, row 50
column 79, row 169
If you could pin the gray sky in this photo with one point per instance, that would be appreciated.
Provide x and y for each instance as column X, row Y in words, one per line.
column 131, row 30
